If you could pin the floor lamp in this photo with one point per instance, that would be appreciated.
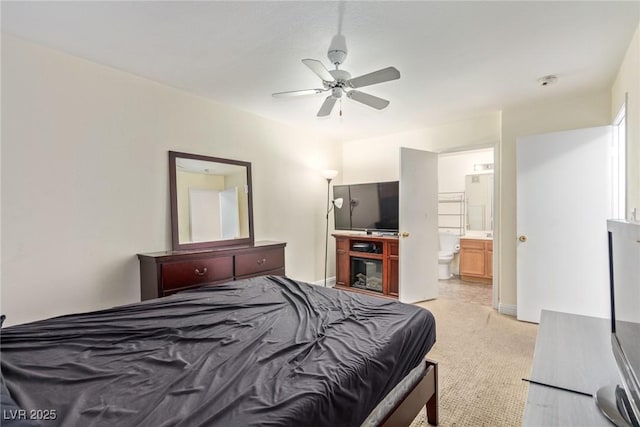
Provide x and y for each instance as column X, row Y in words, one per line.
column 329, row 174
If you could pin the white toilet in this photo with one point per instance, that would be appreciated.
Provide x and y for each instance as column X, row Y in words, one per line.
column 449, row 245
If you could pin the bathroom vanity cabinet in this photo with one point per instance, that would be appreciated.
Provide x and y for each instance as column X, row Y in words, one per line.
column 476, row 260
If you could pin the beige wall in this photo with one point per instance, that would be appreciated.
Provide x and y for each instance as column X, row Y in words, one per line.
column 628, row 81
column 454, row 167
column 85, row 179
column 553, row 115
column 378, row 159
column 85, row 182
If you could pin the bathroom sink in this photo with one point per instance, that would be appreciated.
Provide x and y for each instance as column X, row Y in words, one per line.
column 479, row 234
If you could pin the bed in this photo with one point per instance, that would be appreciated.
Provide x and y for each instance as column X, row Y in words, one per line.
column 262, row 351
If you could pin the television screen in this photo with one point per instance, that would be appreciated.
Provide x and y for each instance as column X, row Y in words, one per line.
column 373, row 206
column 624, row 259
column 342, row 217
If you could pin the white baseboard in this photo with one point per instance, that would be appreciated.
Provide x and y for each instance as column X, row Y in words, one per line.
column 330, row 282
column 508, row 309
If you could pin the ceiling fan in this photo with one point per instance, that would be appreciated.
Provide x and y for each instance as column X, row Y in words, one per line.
column 339, row 82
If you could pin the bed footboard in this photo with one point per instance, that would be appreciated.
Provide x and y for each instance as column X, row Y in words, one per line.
column 424, row 393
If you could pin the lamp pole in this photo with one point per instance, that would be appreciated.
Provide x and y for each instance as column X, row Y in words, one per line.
column 326, row 233
column 328, row 174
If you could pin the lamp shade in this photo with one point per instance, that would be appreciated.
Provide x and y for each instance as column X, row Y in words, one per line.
column 338, row 202
column 329, row 173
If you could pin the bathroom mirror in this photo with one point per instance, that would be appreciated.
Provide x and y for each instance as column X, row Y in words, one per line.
column 479, row 202
column 211, row 203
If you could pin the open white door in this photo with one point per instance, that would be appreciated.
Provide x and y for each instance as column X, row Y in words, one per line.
column 563, row 202
column 418, row 257
column 204, row 215
column 229, row 214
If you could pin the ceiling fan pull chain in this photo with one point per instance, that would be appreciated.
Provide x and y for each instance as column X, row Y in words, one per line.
column 340, row 107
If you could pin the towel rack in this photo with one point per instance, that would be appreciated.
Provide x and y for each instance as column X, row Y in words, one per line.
column 451, row 214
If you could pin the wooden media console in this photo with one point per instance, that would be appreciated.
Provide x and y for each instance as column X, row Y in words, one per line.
column 367, row 264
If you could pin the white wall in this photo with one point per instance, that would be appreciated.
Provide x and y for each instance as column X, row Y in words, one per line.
column 628, row 81
column 85, row 179
column 454, row 167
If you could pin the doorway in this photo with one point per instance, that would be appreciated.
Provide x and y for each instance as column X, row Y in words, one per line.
column 466, row 225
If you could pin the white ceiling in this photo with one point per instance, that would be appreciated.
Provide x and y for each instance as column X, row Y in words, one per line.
column 457, row 59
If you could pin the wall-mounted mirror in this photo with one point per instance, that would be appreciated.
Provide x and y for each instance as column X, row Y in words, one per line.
column 479, row 195
column 211, row 203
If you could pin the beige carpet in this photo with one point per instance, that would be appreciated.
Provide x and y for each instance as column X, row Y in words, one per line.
column 482, row 357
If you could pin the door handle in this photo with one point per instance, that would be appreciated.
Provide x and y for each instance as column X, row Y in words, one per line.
column 522, row 238
column 404, row 234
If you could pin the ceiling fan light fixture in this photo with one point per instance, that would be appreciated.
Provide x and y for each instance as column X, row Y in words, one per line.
column 337, row 57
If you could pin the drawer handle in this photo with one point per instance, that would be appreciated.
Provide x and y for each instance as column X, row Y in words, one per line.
column 262, row 261
column 200, row 273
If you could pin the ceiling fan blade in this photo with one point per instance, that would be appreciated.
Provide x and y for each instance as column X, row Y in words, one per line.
column 318, row 68
column 298, row 93
column 380, row 76
column 327, row 106
column 366, row 99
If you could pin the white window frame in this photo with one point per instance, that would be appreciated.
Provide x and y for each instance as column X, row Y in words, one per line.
column 618, row 163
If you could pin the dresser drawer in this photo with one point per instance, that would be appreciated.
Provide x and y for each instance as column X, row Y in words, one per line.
column 167, row 272
column 259, row 261
column 186, row 273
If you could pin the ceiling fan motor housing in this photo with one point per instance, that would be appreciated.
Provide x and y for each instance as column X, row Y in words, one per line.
column 337, row 50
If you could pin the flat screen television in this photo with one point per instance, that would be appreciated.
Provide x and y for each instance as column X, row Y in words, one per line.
column 622, row 404
column 368, row 207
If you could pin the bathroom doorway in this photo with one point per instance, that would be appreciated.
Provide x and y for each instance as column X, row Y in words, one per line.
column 466, row 223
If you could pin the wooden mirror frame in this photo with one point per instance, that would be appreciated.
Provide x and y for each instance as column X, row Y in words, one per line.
column 173, row 196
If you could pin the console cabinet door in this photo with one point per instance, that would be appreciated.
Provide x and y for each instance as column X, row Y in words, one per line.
column 394, row 268
column 342, row 261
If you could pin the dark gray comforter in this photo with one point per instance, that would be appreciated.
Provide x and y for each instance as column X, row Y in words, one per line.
column 264, row 351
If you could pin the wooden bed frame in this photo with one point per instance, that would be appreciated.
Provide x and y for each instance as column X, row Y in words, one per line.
column 408, row 408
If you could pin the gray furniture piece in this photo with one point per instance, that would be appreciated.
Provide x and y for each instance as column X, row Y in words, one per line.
column 573, row 352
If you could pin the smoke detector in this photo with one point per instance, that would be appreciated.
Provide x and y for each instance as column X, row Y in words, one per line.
column 547, row 80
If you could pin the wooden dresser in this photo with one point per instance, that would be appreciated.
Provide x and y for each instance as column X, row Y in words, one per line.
column 476, row 260
column 165, row 273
